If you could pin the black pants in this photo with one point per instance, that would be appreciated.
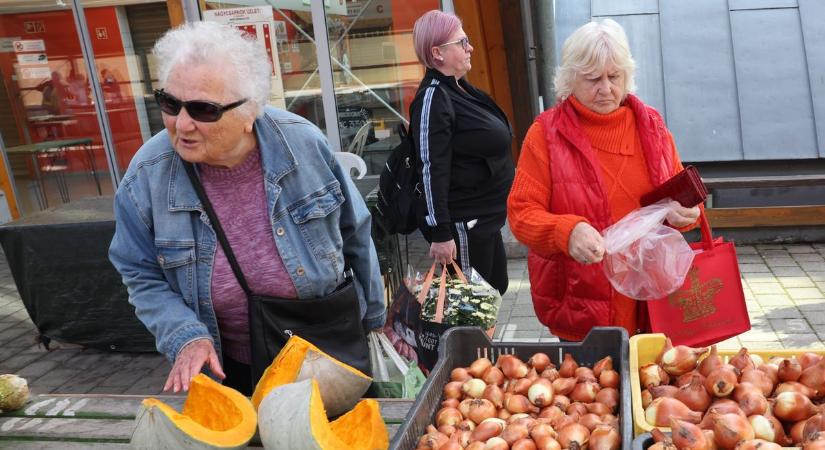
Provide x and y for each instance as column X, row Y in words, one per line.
column 480, row 246
column 238, row 376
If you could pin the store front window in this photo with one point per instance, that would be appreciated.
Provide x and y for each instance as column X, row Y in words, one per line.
column 375, row 73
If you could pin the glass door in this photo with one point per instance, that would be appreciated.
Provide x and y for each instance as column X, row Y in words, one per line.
column 52, row 139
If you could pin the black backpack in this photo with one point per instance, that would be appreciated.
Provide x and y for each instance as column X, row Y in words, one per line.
column 398, row 187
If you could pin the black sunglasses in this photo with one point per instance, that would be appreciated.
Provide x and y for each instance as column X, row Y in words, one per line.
column 199, row 110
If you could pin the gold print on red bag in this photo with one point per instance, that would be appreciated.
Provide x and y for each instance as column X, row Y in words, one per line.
column 696, row 301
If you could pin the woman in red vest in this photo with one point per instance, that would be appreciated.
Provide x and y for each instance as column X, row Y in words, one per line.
column 584, row 164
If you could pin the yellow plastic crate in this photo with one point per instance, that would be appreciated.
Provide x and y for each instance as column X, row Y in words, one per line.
column 644, row 348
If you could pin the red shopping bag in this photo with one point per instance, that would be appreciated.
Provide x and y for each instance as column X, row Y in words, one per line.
column 710, row 305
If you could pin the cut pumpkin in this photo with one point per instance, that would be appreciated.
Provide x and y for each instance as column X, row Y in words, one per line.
column 213, row 417
column 292, row 417
column 341, row 385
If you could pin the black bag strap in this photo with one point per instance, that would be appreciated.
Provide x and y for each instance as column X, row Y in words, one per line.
column 216, row 224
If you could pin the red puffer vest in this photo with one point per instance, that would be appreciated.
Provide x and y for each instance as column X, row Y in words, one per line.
column 570, row 297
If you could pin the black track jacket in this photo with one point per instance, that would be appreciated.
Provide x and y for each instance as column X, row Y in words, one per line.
column 464, row 161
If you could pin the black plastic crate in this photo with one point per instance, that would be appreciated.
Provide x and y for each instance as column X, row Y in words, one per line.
column 460, row 346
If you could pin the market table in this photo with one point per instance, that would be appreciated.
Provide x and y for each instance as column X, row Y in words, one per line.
column 51, row 147
column 81, row 421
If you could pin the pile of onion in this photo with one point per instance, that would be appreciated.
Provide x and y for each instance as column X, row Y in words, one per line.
column 744, row 402
column 530, row 405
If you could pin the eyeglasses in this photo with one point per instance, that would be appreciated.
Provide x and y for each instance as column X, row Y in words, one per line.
column 465, row 42
column 200, row 110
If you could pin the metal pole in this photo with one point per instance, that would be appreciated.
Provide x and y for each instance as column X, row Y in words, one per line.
column 530, row 53
column 545, row 29
column 319, row 29
column 191, row 13
column 97, row 92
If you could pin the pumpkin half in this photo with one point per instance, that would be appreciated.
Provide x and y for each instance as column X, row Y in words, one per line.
column 213, row 417
column 341, row 385
column 292, row 417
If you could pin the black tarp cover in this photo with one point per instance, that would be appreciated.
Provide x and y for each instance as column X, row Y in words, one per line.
column 58, row 258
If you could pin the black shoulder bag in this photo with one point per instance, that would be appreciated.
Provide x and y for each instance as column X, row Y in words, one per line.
column 331, row 323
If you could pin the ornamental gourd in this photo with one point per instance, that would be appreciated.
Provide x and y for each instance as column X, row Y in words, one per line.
column 292, row 417
column 213, row 417
column 341, row 385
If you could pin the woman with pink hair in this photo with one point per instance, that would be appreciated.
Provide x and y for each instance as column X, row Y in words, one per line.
column 462, row 141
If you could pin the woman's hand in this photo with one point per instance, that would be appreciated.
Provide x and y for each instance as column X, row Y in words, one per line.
column 443, row 252
column 189, row 362
column 586, row 245
column 679, row 216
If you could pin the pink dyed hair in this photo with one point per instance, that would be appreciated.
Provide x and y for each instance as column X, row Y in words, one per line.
column 431, row 30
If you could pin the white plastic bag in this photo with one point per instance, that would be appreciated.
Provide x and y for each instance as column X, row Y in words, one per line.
column 645, row 259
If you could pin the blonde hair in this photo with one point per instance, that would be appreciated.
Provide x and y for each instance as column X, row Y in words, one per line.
column 590, row 48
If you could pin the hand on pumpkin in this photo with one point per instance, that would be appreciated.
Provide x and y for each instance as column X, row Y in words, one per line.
column 443, row 252
column 585, row 245
column 190, row 361
column 679, row 216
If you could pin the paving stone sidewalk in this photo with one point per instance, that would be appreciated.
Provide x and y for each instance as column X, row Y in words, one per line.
column 784, row 287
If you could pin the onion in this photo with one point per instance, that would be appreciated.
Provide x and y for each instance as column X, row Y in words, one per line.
column 474, row 387
column 653, row 375
column 542, row 429
column 711, row 362
column 514, row 432
column 604, row 437
column 563, row 386
column 590, row 421
column 686, row 378
column 814, row 377
column 551, row 412
column 448, row 416
column 450, row 403
column 813, row 425
column 759, row 379
column 478, row 445
column 744, row 388
column 496, row 443
column 729, row 429
column 464, row 407
column 686, row 435
column 757, row 444
column 574, row 436
column 793, row 406
column 585, row 392
column 518, row 403
column 561, row 400
column 609, row 378
column 452, row 444
column 600, row 409
column 753, row 403
column 448, row 430
column 742, row 360
column 647, row 397
column 513, row 367
column 568, row 366
column 789, row 370
column 494, row 394
column 808, row 359
column 493, row 375
column 480, row 410
column 522, row 385
column 584, row 374
column 795, row 432
column 722, row 381
column 541, row 392
column 466, row 425
column 486, row 430
column 523, row 444
column 663, row 409
column 694, row 395
column 605, row 363
column 663, row 390
column 547, row 443
column 794, row 386
column 608, row 396
column 540, row 361
column 769, row 429
column 453, row 390
column 550, row 374
column 479, row 366
column 460, row 374
column 681, row 359
column 771, row 371
column 576, row 409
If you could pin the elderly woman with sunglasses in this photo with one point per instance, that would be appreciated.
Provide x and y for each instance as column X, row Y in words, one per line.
column 290, row 214
column 463, row 143
column 584, row 165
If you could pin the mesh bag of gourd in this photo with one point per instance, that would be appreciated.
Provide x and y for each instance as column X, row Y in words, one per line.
column 306, row 399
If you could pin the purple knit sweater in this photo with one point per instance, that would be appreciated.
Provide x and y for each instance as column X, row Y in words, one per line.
column 237, row 195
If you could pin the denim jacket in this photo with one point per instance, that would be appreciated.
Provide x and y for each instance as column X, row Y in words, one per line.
column 164, row 246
